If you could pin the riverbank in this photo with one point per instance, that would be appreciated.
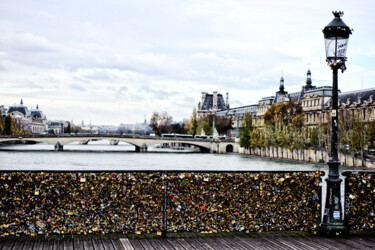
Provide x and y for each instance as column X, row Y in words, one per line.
column 307, row 155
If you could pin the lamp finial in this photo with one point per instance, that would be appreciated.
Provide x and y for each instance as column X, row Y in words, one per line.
column 338, row 13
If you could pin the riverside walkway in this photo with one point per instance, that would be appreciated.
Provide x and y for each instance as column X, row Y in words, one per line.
column 180, row 241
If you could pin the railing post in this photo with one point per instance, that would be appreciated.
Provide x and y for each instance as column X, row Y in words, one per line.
column 165, row 214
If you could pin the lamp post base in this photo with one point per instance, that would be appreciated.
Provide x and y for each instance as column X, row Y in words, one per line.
column 336, row 229
column 333, row 223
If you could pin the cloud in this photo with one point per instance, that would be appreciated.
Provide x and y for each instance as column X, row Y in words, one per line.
column 29, row 43
column 45, row 14
column 122, row 89
column 135, row 57
column 78, row 87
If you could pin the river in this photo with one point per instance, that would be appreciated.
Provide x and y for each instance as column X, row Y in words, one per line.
column 101, row 156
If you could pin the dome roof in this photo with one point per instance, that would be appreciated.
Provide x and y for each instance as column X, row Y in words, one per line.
column 19, row 108
column 37, row 113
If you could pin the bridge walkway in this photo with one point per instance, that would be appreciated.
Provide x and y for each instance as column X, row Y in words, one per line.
column 181, row 241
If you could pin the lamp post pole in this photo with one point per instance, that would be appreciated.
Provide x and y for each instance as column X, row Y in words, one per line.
column 333, row 223
column 336, row 35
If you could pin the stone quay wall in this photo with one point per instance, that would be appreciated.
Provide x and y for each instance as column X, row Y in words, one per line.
column 309, row 155
column 33, row 203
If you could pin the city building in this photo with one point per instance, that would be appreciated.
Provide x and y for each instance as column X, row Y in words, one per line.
column 140, row 128
column 315, row 101
column 32, row 121
column 56, row 127
column 3, row 111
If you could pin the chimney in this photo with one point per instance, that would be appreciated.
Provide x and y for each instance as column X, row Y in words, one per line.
column 203, row 97
column 214, row 104
column 227, row 101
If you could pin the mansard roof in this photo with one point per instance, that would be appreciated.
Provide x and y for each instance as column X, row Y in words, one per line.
column 19, row 108
column 320, row 91
column 209, row 100
column 297, row 96
column 37, row 113
column 353, row 96
column 239, row 111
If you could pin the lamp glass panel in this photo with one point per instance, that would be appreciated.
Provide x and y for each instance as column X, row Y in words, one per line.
column 336, row 48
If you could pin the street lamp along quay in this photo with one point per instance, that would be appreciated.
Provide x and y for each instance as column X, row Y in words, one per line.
column 336, row 36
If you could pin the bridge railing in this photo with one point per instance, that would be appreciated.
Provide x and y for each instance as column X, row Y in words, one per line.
column 157, row 202
column 359, row 206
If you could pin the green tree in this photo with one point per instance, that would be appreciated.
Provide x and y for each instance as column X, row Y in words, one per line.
column 68, row 129
column 1, row 124
column 245, row 133
column 8, row 125
column 222, row 124
column 193, row 123
column 285, row 112
column 284, row 125
column 206, row 126
column 371, row 134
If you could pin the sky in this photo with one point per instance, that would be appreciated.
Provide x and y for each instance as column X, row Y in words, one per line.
column 118, row 61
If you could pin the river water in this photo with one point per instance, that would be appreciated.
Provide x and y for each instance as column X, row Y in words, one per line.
column 101, row 156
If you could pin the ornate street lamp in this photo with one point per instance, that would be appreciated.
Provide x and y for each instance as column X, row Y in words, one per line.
column 336, row 35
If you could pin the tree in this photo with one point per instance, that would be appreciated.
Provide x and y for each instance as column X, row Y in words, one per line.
column 193, row 123
column 247, row 128
column 8, row 124
column 284, row 125
column 284, row 112
column 68, row 129
column 371, row 134
column 177, row 128
column 1, row 124
column 223, row 124
column 204, row 124
column 160, row 123
column 10, row 127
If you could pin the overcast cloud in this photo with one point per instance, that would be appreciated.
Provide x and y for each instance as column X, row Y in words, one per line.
column 114, row 61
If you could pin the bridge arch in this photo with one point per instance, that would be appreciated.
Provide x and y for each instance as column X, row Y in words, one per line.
column 229, row 148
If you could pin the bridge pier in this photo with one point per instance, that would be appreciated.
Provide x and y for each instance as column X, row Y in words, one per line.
column 141, row 149
column 215, row 148
column 59, row 147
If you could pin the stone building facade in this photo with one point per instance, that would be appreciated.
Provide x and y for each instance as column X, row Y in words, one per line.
column 32, row 121
column 315, row 101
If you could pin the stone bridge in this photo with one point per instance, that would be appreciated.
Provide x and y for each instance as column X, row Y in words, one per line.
column 141, row 143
